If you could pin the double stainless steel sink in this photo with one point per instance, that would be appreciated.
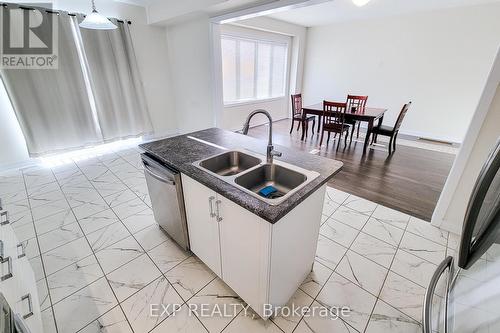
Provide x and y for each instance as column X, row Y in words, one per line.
column 248, row 172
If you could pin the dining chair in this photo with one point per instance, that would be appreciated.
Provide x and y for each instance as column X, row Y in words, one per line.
column 391, row 132
column 334, row 121
column 354, row 103
column 300, row 116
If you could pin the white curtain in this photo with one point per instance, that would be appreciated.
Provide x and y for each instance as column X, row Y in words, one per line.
column 52, row 105
column 115, row 81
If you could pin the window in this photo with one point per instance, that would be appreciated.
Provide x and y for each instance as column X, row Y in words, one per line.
column 253, row 69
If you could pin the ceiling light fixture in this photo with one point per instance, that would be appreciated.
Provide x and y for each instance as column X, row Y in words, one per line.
column 360, row 3
column 97, row 21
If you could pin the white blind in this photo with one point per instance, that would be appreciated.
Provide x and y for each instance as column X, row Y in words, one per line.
column 253, row 69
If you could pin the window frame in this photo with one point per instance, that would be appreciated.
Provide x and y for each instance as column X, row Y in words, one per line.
column 256, row 40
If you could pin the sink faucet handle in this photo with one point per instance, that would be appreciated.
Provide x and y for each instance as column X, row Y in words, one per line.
column 276, row 153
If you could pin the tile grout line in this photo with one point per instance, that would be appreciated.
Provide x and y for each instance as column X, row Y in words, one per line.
column 95, row 257
column 41, row 257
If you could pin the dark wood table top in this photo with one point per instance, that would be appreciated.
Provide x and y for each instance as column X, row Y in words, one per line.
column 367, row 112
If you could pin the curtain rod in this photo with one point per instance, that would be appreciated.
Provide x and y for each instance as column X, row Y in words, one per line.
column 57, row 12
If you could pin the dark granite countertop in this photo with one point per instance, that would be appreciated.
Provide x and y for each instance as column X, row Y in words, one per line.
column 181, row 151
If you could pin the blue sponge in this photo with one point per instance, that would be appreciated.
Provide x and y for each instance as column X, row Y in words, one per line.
column 267, row 191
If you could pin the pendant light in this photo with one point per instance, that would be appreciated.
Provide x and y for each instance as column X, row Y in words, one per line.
column 360, row 3
column 97, row 21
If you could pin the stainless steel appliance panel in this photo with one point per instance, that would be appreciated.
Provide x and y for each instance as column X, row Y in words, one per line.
column 165, row 191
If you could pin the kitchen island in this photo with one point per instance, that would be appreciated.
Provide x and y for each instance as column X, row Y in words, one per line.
column 262, row 248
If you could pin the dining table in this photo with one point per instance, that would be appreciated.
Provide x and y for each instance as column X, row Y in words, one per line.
column 366, row 114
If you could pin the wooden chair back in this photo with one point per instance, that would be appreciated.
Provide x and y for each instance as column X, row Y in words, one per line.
column 334, row 114
column 356, row 102
column 401, row 116
column 296, row 105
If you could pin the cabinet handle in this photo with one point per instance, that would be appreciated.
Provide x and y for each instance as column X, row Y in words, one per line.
column 4, row 218
column 217, row 206
column 1, row 250
column 210, row 203
column 7, row 260
column 30, row 305
column 1, row 206
column 23, row 251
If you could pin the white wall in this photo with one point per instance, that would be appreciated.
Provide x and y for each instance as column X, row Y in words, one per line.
column 440, row 60
column 151, row 52
column 483, row 133
column 190, row 59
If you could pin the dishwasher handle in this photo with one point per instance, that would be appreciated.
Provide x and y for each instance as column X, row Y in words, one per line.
column 156, row 176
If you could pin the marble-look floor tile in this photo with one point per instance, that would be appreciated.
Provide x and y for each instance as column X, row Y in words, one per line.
column 288, row 322
column 89, row 209
column 107, row 236
column 98, row 221
column 423, row 248
column 65, row 255
column 17, row 195
column 53, row 222
column 182, row 322
column 336, row 195
column 391, row 216
column 385, row 319
column 30, row 248
column 73, row 277
column 94, row 169
column 43, row 294
column 328, row 252
column 404, row 295
column 37, row 266
column 151, row 237
column 314, row 323
column 111, row 160
column 83, row 307
column 45, row 198
column 77, row 185
column 374, row 249
column 119, row 254
column 24, row 231
column 119, row 198
column 130, row 208
column 140, row 221
column 49, row 209
column 113, row 321
column 48, row 321
column 360, row 205
column 350, row 217
column 59, row 236
column 83, row 197
column 38, row 178
column 37, row 191
column 17, row 207
column 329, row 207
column 362, row 272
column 168, row 255
column 137, row 307
column 339, row 232
column 108, row 185
column 413, row 268
column 316, row 279
column 425, row 229
column 251, row 322
column 383, row 231
column 189, row 277
column 18, row 220
column 132, row 277
column 339, row 292
column 216, row 295
column 142, row 192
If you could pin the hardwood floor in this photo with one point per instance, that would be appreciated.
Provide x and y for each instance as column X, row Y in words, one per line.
column 410, row 180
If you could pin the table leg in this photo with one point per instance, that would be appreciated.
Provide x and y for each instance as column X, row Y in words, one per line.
column 367, row 136
column 303, row 125
column 319, row 125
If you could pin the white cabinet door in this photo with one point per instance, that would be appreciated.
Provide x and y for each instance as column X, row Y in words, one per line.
column 202, row 224
column 245, row 246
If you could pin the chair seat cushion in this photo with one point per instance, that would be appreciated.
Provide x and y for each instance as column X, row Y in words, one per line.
column 336, row 127
column 299, row 117
column 383, row 129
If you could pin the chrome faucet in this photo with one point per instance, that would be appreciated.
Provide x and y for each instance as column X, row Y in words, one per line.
column 270, row 148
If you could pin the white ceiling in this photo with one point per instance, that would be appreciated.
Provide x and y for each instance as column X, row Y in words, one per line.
column 344, row 10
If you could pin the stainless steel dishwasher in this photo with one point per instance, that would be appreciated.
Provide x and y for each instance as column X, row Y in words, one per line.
column 165, row 191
